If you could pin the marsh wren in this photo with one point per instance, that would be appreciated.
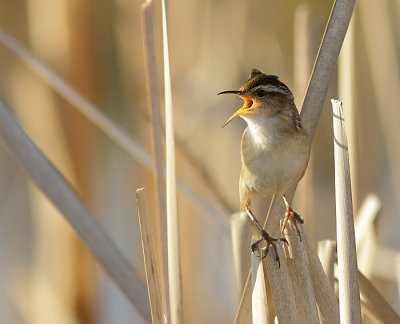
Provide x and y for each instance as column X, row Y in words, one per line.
column 275, row 147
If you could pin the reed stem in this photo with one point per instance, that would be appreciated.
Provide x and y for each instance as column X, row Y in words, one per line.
column 50, row 181
column 173, row 235
column 349, row 292
column 150, row 260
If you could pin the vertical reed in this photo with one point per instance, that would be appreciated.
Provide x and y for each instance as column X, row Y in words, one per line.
column 301, row 278
column 244, row 313
column 174, row 263
column 259, row 295
column 349, row 292
column 347, row 90
column 366, row 237
column 241, row 237
column 327, row 255
column 281, row 287
column 153, row 95
column 326, row 299
column 150, row 260
column 366, row 216
column 326, row 62
column 303, row 61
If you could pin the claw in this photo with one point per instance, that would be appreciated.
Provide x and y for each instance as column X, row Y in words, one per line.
column 290, row 214
column 264, row 252
column 284, row 240
column 264, row 237
column 299, row 218
column 253, row 247
column 270, row 242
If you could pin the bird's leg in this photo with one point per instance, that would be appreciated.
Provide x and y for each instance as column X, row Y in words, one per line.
column 290, row 214
column 264, row 237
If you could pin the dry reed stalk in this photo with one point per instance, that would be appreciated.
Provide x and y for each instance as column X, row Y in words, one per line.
column 302, row 67
column 349, row 292
column 174, row 262
column 65, row 90
column 366, row 240
column 366, row 216
column 311, row 110
column 153, row 95
column 322, row 73
column 325, row 296
column 215, row 208
column 368, row 254
column 270, row 301
column 281, row 288
column 326, row 299
column 150, row 260
column 243, row 315
column 374, row 303
column 241, row 237
column 259, row 295
column 326, row 62
column 347, row 89
column 301, row 278
column 61, row 194
column 327, row 255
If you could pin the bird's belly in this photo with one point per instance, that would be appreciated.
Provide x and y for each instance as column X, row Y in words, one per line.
column 276, row 171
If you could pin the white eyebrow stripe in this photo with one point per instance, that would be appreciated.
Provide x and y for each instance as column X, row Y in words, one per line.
column 270, row 87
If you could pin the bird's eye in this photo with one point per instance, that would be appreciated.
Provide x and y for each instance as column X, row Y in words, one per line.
column 261, row 93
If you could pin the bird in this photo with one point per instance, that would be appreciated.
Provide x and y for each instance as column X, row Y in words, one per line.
column 275, row 148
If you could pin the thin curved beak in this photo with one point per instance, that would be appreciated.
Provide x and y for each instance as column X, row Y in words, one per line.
column 236, row 92
column 246, row 106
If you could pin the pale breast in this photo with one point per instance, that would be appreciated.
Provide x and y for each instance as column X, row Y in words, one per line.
column 272, row 165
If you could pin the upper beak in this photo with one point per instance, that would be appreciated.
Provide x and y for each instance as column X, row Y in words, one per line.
column 246, row 106
column 236, row 92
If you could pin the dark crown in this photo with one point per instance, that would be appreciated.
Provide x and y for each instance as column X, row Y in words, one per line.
column 257, row 78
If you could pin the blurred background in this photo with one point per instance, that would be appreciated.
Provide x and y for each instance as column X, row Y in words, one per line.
column 48, row 276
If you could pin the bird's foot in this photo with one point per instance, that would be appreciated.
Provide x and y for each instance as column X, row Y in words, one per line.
column 270, row 242
column 294, row 217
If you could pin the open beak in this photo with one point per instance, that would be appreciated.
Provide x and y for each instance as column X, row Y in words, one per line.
column 248, row 103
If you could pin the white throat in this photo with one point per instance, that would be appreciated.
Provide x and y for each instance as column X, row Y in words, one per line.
column 261, row 129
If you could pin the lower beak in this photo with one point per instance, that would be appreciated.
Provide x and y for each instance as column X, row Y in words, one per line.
column 237, row 113
column 244, row 109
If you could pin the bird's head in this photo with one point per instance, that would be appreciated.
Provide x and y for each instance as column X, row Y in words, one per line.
column 263, row 95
